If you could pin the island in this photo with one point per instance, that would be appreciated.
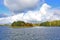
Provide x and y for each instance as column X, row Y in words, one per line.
column 22, row 24
column 51, row 23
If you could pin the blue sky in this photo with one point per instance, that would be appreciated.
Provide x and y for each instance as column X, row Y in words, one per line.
column 53, row 3
column 5, row 10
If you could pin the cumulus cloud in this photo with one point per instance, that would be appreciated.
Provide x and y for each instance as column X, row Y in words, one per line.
column 22, row 5
column 45, row 13
column 56, row 14
column 30, row 16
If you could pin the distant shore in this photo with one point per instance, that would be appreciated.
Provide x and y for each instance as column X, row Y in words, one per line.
column 22, row 24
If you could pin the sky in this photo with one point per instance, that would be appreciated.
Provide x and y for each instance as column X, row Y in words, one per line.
column 5, row 10
column 18, row 8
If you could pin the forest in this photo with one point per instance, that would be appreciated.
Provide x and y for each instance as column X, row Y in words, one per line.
column 25, row 24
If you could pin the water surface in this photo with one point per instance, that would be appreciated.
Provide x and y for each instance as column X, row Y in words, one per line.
column 37, row 33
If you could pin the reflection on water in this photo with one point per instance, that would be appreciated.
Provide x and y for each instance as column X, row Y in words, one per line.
column 40, row 33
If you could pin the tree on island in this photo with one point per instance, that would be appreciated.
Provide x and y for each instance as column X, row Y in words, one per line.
column 21, row 24
column 51, row 23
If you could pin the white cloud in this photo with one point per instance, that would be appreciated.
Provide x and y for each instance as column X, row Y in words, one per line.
column 21, row 5
column 29, row 16
column 44, row 14
column 56, row 14
column 11, row 19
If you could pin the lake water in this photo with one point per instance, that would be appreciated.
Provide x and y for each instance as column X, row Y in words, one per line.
column 37, row 33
